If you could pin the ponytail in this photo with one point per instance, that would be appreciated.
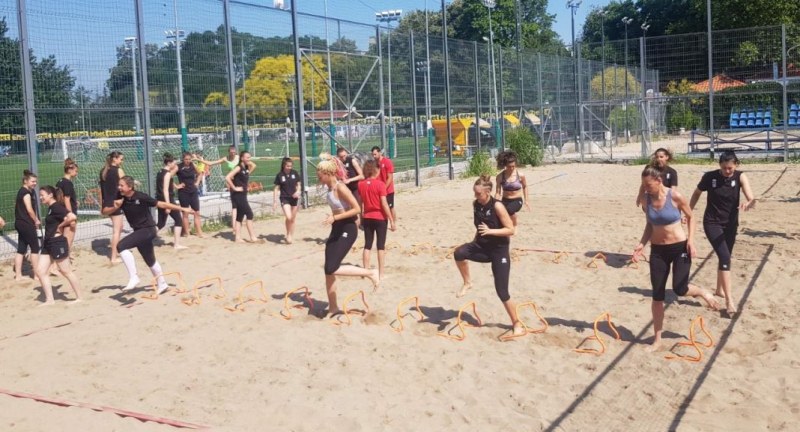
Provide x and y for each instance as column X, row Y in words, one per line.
column 69, row 164
column 27, row 175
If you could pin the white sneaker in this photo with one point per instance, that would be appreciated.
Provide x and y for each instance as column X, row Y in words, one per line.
column 131, row 283
column 162, row 288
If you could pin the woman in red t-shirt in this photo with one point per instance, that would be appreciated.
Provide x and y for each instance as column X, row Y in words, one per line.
column 375, row 214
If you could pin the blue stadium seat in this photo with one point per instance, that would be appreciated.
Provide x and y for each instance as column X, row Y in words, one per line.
column 792, row 122
column 759, row 114
column 751, row 122
column 734, row 124
column 794, row 107
column 734, row 116
column 759, row 122
column 742, row 115
column 751, row 115
column 792, row 114
column 768, row 113
column 768, row 122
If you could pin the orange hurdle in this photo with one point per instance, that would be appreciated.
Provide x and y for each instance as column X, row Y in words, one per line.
column 241, row 301
column 286, row 299
column 528, row 330
column 597, row 337
column 346, row 313
column 180, row 288
column 461, row 323
column 559, row 255
column 400, row 316
column 593, row 262
column 195, row 299
column 693, row 342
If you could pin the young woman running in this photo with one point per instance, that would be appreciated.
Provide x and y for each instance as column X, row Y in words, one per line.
column 109, row 179
column 238, row 181
column 375, row 214
column 229, row 162
column 165, row 191
column 670, row 246
column 342, row 219
column 67, row 188
column 26, row 222
column 386, row 175
column 58, row 219
column 512, row 188
column 669, row 177
column 136, row 206
column 494, row 229
column 288, row 187
column 721, row 218
column 188, row 194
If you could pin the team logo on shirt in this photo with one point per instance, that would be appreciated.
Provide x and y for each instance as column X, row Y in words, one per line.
column 733, row 183
column 283, row 178
column 713, row 183
column 489, row 212
column 293, row 177
column 344, row 234
column 136, row 202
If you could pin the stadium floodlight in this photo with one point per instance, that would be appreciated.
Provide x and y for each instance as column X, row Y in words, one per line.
column 491, row 4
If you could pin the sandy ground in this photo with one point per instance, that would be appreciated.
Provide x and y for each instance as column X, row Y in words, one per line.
column 252, row 370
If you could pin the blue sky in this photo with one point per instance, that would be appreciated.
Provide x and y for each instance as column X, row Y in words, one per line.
column 84, row 34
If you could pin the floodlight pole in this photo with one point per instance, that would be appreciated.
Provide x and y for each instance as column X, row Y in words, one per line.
column 176, row 35
column 450, row 172
column 298, row 77
column 27, row 91
column 573, row 5
column 710, row 82
column 332, row 125
column 130, row 42
column 626, row 21
column 428, row 121
column 388, row 17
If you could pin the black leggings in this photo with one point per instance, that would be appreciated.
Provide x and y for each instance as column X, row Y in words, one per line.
column 242, row 207
column 27, row 238
column 343, row 236
column 661, row 257
column 141, row 239
column 372, row 227
column 498, row 255
column 174, row 214
column 722, row 239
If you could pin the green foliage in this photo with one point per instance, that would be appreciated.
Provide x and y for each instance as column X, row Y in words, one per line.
column 617, row 118
column 480, row 164
column 615, row 78
column 680, row 115
column 746, row 54
column 526, row 144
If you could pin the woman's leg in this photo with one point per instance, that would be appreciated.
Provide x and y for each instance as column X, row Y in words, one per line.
column 659, row 272
column 336, row 249
column 116, row 233
column 718, row 237
column 43, row 273
column 330, row 288
column 380, row 232
column 198, row 224
column 18, row 260
column 369, row 236
column 66, row 270
column 289, row 212
column 465, row 252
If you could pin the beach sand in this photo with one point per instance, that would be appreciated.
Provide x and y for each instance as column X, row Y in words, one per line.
column 253, row 370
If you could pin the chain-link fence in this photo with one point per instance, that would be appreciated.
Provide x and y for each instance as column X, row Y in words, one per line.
column 202, row 75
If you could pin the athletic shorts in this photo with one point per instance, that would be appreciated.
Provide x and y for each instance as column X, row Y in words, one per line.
column 292, row 201
column 191, row 199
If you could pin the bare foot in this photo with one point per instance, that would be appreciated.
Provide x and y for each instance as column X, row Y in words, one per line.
column 71, row 302
column 466, row 287
column 18, row 278
column 50, row 303
column 376, row 280
column 654, row 346
column 289, row 240
column 179, row 247
column 239, row 241
column 731, row 307
column 710, row 300
column 518, row 330
column 201, row 235
column 116, row 261
column 719, row 293
column 332, row 313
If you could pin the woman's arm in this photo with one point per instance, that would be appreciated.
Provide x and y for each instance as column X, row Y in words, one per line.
column 748, row 194
column 637, row 251
column 68, row 220
column 498, row 192
column 640, row 196
column 29, row 208
column 169, row 206
column 387, row 212
column 298, row 188
column 229, row 180
column 165, row 186
column 212, row 163
column 508, row 226
column 108, row 210
column 695, row 196
column 683, row 206
column 359, row 171
column 120, row 172
column 524, row 191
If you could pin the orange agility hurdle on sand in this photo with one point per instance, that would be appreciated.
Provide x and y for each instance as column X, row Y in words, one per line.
column 286, row 299
column 461, row 323
column 181, row 287
column 346, row 313
column 693, row 342
column 593, row 262
column 528, row 330
column 400, row 315
column 559, row 255
column 597, row 337
column 241, row 301
column 195, row 299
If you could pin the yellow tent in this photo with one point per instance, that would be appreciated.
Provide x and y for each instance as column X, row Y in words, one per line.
column 460, row 130
column 511, row 118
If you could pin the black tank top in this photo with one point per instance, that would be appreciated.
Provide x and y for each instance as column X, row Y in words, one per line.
column 242, row 178
column 160, row 186
column 723, row 197
column 21, row 216
column 109, row 185
column 187, row 175
column 486, row 213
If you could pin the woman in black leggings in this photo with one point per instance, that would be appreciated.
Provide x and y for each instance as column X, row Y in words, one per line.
column 721, row 218
column 136, row 207
column 165, row 191
column 377, row 216
column 342, row 220
column 494, row 229
column 238, row 181
column 671, row 246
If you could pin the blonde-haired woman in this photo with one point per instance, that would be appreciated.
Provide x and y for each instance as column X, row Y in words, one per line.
column 344, row 209
column 494, row 229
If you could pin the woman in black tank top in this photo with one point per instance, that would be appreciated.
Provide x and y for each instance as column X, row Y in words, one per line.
column 26, row 222
column 238, row 181
column 109, row 183
column 494, row 229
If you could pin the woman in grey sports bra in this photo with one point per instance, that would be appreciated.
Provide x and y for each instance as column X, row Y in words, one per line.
column 512, row 189
column 230, row 161
column 344, row 209
column 671, row 249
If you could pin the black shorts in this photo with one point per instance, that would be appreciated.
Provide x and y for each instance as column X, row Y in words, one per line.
column 110, row 203
column 289, row 200
column 390, row 200
column 27, row 238
column 512, row 205
column 189, row 199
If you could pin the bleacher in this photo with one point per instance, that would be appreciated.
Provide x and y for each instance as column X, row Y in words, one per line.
column 761, row 118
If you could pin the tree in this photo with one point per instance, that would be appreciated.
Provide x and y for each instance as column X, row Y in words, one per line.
column 615, row 78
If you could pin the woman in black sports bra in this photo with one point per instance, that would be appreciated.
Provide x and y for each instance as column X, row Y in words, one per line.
column 109, row 180
column 512, row 189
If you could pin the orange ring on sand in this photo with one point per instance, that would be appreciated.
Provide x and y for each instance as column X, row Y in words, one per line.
column 528, row 330
column 693, row 342
column 195, row 299
column 400, row 316
column 559, row 255
column 346, row 313
column 286, row 299
column 593, row 262
column 461, row 323
column 597, row 337
column 241, row 301
column 180, row 288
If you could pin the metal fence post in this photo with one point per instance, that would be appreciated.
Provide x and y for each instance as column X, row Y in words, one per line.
column 451, row 174
column 502, row 105
column 148, row 148
column 784, row 54
column 642, row 106
column 541, row 96
column 231, row 74
column 380, row 93
column 477, row 97
column 414, row 124
column 710, row 80
column 299, row 110
column 578, row 108
column 27, row 92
